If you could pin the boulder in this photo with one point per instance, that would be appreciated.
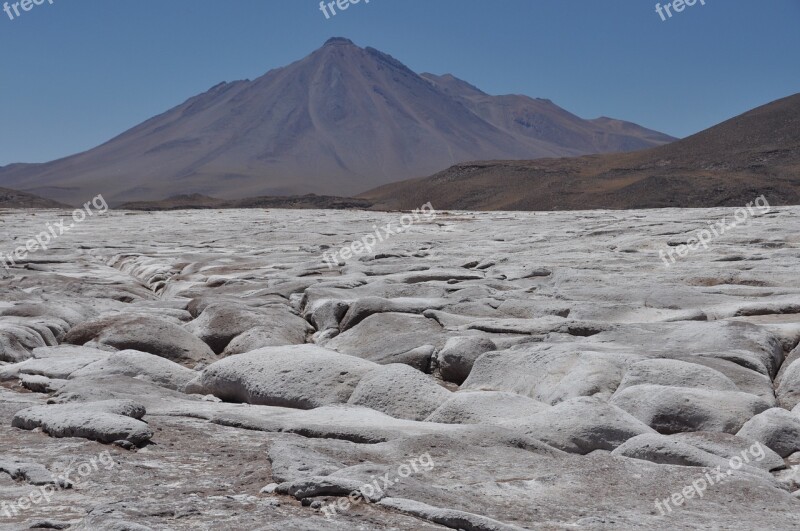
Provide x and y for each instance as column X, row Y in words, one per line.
column 581, row 425
column 327, row 314
column 40, row 384
column 776, row 428
column 53, row 362
column 298, row 376
column 788, row 390
column 455, row 360
column 256, row 338
column 219, row 323
column 143, row 333
column 363, row 308
column 678, row 409
column 747, row 380
column 17, row 342
column 71, row 313
column 140, row 365
column 392, row 338
column 399, row 391
column 665, row 450
column 727, row 446
column 549, row 373
column 106, row 421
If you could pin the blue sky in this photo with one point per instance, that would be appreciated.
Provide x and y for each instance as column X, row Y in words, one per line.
column 78, row 72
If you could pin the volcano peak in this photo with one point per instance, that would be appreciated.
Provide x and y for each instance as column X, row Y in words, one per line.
column 338, row 41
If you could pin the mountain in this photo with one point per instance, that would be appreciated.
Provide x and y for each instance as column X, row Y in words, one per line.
column 15, row 199
column 541, row 121
column 727, row 165
column 340, row 121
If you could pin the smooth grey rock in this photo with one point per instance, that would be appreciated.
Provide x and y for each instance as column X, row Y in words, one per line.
column 53, row 362
column 455, row 360
column 665, row 450
column 140, row 365
column 40, row 384
column 105, row 421
column 220, row 323
column 256, row 338
column 435, row 275
column 485, row 407
column 345, row 422
column 548, row 373
column 399, row 391
column 678, row 409
column 327, row 314
column 119, row 387
column 747, row 380
column 142, row 333
column 792, row 357
column 289, row 460
column 70, row 312
column 17, row 342
column 392, row 338
column 675, row 373
column 727, row 446
column 531, row 309
column 447, row 517
column 581, row 425
column 776, row 428
column 32, row 473
column 298, row 376
column 749, row 345
column 788, row 390
column 363, row 308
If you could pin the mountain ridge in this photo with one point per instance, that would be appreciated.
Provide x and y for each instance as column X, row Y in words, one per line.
column 339, row 121
column 730, row 164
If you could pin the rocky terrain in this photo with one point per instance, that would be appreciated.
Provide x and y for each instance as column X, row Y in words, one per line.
column 480, row 371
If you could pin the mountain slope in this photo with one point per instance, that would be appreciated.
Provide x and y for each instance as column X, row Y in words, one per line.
column 342, row 120
column 15, row 199
column 727, row 165
column 541, row 120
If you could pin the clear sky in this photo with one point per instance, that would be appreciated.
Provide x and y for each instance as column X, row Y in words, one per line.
column 78, row 72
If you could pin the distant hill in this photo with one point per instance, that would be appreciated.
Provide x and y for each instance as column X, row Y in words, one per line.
column 727, row 165
column 199, row 201
column 15, row 199
column 343, row 120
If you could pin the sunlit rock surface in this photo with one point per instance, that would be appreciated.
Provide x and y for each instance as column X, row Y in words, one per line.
column 476, row 371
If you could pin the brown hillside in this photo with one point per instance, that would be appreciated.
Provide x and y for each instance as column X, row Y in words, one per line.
column 727, row 165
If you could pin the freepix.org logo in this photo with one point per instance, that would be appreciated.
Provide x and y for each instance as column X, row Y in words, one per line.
column 15, row 9
column 674, row 7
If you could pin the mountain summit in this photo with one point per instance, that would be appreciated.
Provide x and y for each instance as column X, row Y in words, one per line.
column 340, row 121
